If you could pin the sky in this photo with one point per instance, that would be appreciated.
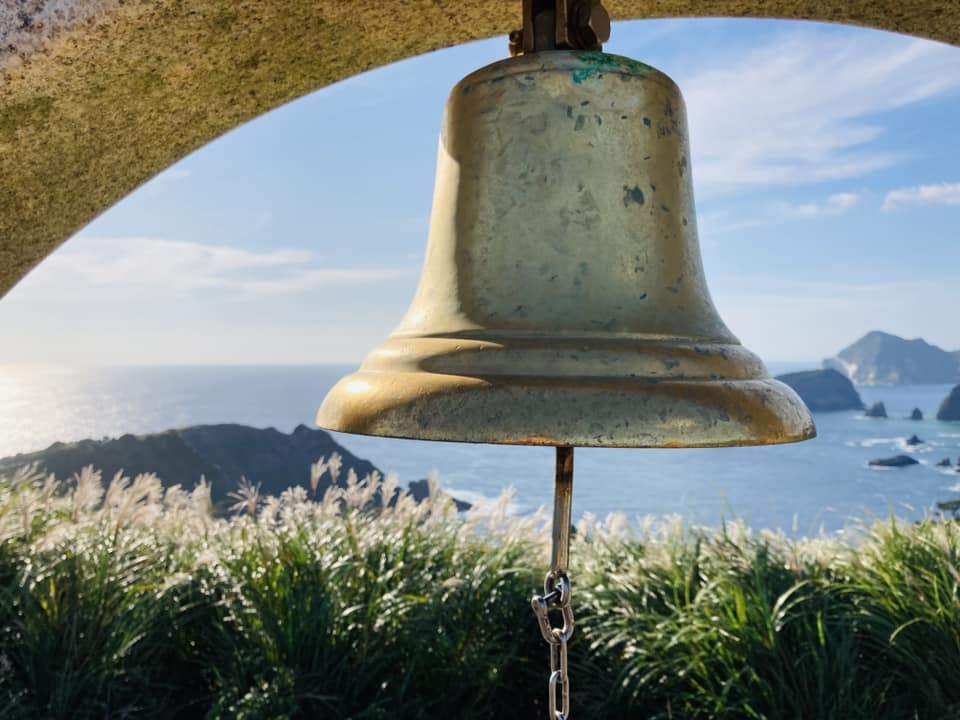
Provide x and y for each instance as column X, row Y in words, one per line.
column 826, row 166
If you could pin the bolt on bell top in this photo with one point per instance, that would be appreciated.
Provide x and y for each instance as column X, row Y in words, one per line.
column 562, row 299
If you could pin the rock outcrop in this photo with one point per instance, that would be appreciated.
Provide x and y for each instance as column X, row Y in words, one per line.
column 914, row 440
column 420, row 491
column 916, row 414
column 944, row 463
column 222, row 454
column 877, row 410
column 824, row 390
column 879, row 358
column 950, row 407
column 899, row 461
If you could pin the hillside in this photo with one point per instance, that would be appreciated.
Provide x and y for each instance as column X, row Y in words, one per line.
column 223, row 454
column 879, row 358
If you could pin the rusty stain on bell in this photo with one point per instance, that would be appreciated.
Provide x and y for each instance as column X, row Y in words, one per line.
column 558, row 303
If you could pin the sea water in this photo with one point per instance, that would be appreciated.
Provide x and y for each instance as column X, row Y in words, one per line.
column 825, row 483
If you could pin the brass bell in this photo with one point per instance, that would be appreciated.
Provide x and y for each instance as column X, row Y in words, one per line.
column 563, row 300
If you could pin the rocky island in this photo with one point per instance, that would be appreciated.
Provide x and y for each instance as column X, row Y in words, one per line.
column 950, row 407
column 898, row 461
column 880, row 358
column 877, row 410
column 824, row 390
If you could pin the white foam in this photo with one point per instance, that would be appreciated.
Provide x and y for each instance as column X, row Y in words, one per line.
column 484, row 503
column 872, row 442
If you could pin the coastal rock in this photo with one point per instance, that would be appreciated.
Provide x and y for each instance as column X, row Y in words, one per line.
column 950, row 408
column 420, row 490
column 950, row 506
column 877, row 410
column 222, row 454
column 898, row 461
column 823, row 390
column 916, row 414
column 914, row 440
column 944, row 463
column 879, row 358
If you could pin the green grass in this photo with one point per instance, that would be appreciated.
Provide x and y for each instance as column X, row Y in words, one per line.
column 131, row 601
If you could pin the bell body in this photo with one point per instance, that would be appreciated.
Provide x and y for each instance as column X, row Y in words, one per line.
column 562, row 299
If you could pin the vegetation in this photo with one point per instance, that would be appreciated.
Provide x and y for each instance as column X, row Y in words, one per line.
column 135, row 601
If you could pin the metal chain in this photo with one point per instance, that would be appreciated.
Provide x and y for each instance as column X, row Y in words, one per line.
column 556, row 596
column 557, row 588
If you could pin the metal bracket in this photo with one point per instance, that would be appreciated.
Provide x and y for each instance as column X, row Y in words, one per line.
column 561, row 25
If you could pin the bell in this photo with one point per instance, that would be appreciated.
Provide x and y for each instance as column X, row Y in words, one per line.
column 563, row 300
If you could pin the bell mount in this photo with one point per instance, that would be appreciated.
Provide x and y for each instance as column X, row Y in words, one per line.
column 561, row 25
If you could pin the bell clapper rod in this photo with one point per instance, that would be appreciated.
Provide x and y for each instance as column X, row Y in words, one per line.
column 556, row 588
column 562, row 512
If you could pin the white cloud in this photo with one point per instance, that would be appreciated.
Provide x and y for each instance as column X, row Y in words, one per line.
column 835, row 204
column 159, row 183
column 804, row 109
column 724, row 221
column 147, row 267
column 942, row 194
column 842, row 201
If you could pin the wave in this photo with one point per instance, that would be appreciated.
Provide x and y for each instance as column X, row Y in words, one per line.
column 900, row 443
column 872, row 442
column 487, row 503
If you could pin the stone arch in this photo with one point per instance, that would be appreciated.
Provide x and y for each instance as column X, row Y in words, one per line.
column 98, row 96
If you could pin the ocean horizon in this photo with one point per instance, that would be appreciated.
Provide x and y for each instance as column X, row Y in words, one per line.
column 822, row 485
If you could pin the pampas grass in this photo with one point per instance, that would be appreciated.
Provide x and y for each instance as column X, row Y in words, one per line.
column 127, row 599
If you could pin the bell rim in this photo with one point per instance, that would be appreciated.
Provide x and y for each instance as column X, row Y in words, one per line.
column 351, row 407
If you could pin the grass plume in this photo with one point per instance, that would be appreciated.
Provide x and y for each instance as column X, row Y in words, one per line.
column 128, row 599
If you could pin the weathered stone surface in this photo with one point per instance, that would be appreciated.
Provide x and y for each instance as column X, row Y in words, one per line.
column 950, row 407
column 98, row 96
column 824, row 390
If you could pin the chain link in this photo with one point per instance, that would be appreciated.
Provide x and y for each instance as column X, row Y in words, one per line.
column 556, row 596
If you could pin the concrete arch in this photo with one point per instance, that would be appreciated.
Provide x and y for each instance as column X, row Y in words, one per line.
column 98, row 96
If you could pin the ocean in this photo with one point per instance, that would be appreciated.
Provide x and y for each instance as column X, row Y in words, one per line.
column 824, row 484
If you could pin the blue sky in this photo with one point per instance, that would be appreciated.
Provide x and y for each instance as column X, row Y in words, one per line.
column 826, row 163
